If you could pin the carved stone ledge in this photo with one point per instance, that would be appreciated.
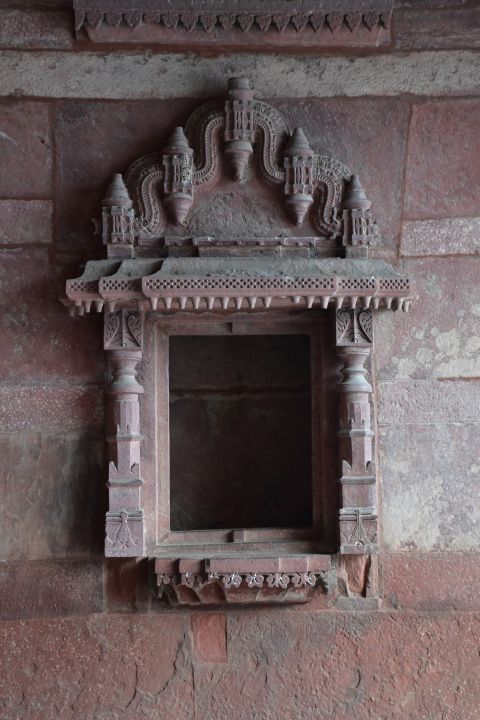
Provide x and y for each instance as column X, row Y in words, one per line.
column 242, row 581
column 350, row 23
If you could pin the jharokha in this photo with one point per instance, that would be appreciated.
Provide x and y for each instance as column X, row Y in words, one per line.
column 317, row 278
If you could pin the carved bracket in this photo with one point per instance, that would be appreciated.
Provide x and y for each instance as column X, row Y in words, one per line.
column 284, row 580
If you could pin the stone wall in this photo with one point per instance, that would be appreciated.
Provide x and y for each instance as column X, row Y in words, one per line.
column 80, row 637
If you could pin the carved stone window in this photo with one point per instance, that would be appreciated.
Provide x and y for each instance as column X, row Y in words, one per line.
column 240, row 436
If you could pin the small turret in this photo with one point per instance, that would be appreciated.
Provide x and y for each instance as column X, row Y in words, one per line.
column 118, row 219
column 178, row 185
column 298, row 164
column 359, row 228
column 239, row 125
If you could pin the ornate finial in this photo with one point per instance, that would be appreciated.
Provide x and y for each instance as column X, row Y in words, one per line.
column 298, row 141
column 298, row 163
column 117, row 219
column 178, row 142
column 359, row 228
column 355, row 198
column 239, row 125
column 178, row 164
column 238, row 83
column 117, row 194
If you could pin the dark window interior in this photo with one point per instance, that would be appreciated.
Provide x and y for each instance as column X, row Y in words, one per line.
column 240, row 432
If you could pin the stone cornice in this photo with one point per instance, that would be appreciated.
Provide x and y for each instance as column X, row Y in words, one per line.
column 331, row 23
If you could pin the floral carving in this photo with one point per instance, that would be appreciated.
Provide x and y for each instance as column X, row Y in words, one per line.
column 255, row 587
column 354, row 326
column 123, row 329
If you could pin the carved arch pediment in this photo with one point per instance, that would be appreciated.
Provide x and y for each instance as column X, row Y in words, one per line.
column 239, row 132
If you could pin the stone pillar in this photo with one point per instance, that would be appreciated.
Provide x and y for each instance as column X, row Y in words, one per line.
column 358, row 515
column 125, row 531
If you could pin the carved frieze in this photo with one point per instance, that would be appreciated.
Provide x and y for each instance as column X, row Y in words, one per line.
column 242, row 22
column 240, row 588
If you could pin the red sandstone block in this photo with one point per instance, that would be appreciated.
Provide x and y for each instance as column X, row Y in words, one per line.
column 127, row 585
column 25, row 221
column 33, row 29
column 50, row 589
column 344, row 665
column 26, row 154
column 50, row 408
column 444, row 28
column 96, row 667
column 431, row 581
column 209, row 637
column 453, row 236
column 438, row 338
column 443, row 163
column 40, row 342
column 397, row 665
column 53, row 501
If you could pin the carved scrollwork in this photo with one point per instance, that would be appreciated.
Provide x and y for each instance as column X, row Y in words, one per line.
column 354, row 326
column 202, row 129
column 123, row 329
column 237, row 127
column 272, row 130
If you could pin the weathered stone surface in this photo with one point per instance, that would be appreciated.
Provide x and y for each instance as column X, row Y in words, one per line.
column 94, row 141
column 400, row 666
column 430, row 478
column 26, row 153
column 439, row 337
column 29, row 28
column 443, row 163
column 431, row 581
column 437, row 28
column 50, row 408
column 40, row 343
column 93, row 75
column 209, row 637
column 455, row 236
column 100, row 667
column 364, row 665
column 369, row 136
column 52, row 495
column 428, row 401
column 25, row 221
column 127, row 585
column 50, row 589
